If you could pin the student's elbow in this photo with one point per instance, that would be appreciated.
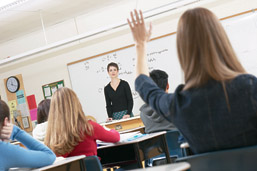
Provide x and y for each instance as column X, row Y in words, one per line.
column 116, row 137
column 51, row 158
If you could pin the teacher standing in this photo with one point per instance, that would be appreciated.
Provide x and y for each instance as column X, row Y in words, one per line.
column 118, row 97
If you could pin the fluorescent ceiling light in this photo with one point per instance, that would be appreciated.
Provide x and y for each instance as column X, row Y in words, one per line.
column 8, row 4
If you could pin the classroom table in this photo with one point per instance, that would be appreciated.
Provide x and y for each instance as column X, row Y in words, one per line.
column 137, row 150
column 168, row 167
column 125, row 124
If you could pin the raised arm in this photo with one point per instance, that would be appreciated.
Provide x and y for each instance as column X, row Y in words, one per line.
column 141, row 36
column 36, row 155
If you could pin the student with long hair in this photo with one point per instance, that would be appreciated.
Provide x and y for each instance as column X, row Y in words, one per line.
column 216, row 107
column 34, row 155
column 69, row 132
column 118, row 97
column 42, row 115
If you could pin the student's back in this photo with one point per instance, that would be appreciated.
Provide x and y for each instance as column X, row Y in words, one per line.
column 208, row 124
column 69, row 132
column 217, row 107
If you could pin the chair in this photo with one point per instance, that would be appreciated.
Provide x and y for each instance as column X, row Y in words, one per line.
column 174, row 149
column 92, row 163
column 233, row 159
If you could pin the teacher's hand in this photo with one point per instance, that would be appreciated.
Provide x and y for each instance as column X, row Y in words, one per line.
column 126, row 116
column 108, row 119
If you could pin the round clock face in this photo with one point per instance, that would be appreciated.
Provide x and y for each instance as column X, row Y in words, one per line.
column 12, row 84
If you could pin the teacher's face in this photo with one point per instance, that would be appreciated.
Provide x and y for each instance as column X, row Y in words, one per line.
column 113, row 72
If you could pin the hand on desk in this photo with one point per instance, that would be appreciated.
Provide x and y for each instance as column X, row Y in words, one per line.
column 109, row 120
column 126, row 116
column 6, row 131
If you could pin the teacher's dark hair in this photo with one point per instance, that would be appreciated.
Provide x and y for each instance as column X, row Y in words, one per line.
column 43, row 110
column 113, row 65
column 4, row 111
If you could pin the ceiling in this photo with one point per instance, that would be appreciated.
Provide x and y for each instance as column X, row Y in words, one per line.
column 26, row 17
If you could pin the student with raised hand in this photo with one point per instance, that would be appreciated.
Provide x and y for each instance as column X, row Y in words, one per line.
column 118, row 97
column 216, row 107
column 152, row 120
column 42, row 116
column 35, row 155
column 69, row 132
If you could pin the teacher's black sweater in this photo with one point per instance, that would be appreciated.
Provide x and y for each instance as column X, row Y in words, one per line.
column 118, row 100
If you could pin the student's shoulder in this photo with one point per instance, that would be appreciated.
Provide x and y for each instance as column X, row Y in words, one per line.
column 94, row 124
column 246, row 79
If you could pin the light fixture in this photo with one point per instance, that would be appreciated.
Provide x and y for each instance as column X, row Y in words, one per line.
column 8, row 4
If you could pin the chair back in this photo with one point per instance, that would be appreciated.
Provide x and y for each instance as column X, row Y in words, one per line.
column 174, row 149
column 92, row 163
column 233, row 159
column 172, row 142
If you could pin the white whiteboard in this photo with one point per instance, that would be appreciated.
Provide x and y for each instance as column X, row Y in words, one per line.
column 89, row 77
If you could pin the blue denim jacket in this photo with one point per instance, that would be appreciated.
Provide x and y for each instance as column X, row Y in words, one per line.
column 202, row 114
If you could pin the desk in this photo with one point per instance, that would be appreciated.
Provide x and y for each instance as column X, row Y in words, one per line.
column 125, row 124
column 137, row 150
column 69, row 163
column 168, row 167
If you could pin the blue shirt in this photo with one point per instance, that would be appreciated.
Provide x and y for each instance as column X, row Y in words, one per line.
column 36, row 155
column 202, row 114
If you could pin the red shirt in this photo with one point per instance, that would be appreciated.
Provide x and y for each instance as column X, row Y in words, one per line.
column 88, row 147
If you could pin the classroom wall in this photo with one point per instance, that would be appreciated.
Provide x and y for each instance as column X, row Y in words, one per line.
column 51, row 66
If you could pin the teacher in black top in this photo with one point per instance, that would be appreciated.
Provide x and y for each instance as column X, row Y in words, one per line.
column 118, row 97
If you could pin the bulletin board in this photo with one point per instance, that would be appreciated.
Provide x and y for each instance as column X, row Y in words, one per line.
column 18, row 104
column 49, row 89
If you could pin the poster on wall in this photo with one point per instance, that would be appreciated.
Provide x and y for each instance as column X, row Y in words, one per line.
column 49, row 89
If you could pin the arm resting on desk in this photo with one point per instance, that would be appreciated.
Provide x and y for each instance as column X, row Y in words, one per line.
column 36, row 155
column 104, row 135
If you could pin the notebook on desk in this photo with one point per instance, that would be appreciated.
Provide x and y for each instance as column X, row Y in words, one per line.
column 125, row 137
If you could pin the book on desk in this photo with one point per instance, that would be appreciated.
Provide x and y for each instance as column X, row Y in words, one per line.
column 124, row 137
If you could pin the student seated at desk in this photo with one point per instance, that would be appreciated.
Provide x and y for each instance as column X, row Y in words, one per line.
column 153, row 121
column 42, row 116
column 216, row 107
column 35, row 155
column 69, row 132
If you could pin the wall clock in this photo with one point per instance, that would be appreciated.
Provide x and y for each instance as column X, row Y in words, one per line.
column 12, row 84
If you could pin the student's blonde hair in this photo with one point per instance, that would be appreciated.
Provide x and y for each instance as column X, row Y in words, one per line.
column 204, row 49
column 67, row 123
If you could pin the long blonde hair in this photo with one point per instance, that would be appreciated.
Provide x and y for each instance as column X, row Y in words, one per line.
column 204, row 49
column 67, row 123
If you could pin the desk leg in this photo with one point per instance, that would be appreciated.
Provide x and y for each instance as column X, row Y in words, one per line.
column 166, row 149
column 139, row 160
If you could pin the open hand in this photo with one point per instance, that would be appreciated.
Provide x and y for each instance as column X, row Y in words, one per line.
column 138, row 28
column 126, row 116
column 6, row 131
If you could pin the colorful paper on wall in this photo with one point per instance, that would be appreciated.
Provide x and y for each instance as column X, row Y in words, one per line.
column 12, row 106
column 25, row 122
column 33, row 114
column 31, row 102
column 20, row 97
column 23, row 109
